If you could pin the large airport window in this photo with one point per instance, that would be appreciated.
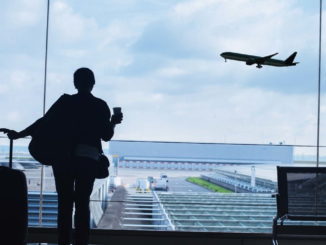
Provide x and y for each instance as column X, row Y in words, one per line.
column 212, row 95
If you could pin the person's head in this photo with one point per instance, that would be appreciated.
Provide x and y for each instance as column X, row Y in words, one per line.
column 84, row 79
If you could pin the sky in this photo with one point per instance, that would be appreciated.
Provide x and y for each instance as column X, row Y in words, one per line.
column 160, row 61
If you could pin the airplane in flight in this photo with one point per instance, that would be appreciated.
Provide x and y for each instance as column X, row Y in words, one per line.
column 264, row 60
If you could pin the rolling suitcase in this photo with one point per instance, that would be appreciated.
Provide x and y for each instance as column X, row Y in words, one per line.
column 13, row 206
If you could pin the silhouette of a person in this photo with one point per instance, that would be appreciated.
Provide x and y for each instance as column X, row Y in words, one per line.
column 90, row 122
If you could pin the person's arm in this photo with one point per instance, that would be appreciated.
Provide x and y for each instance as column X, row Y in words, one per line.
column 30, row 129
column 13, row 135
column 108, row 126
column 110, row 122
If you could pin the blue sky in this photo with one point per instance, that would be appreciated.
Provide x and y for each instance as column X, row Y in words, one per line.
column 160, row 61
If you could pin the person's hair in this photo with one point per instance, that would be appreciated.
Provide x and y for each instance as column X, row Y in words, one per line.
column 84, row 78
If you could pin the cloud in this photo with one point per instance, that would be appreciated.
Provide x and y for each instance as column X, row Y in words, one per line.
column 201, row 28
column 239, row 26
column 14, row 116
column 19, row 79
column 69, row 26
column 221, row 114
column 161, row 38
column 172, row 71
column 23, row 13
column 3, row 89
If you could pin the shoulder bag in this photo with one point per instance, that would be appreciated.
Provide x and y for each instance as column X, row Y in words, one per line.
column 53, row 138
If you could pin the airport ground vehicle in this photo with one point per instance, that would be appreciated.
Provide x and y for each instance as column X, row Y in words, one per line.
column 142, row 185
column 164, row 177
column 150, row 179
column 161, row 184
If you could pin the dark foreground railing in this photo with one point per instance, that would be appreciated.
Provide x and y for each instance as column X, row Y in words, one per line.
column 123, row 237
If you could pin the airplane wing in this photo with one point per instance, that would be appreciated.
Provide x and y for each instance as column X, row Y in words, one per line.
column 269, row 56
column 259, row 60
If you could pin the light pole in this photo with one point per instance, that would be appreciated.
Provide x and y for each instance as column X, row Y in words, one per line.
column 44, row 101
column 319, row 77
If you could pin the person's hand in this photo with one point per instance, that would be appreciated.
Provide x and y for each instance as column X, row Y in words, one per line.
column 117, row 118
column 12, row 134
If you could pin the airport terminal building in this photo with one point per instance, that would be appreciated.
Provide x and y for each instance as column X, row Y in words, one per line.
column 194, row 156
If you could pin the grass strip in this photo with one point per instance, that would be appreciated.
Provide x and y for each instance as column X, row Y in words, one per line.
column 207, row 185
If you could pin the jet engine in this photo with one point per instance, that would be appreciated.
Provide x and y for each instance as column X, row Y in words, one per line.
column 250, row 62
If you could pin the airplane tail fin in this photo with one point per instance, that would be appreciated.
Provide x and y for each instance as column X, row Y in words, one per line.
column 291, row 58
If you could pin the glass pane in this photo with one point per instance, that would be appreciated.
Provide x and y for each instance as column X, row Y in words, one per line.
column 22, row 62
column 306, row 194
column 161, row 63
column 4, row 151
column 21, row 89
column 42, row 205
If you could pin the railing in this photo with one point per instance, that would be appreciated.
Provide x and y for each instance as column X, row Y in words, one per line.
column 109, row 237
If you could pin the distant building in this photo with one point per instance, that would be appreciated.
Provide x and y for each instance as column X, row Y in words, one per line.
column 194, row 156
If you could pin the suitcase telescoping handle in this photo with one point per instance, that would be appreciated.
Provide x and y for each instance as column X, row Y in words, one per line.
column 11, row 146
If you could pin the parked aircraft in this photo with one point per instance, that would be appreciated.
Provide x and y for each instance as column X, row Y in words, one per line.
column 265, row 60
